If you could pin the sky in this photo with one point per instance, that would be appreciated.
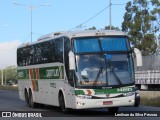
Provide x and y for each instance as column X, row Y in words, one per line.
column 61, row 15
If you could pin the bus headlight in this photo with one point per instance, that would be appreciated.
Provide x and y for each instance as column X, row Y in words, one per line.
column 84, row 96
column 79, row 103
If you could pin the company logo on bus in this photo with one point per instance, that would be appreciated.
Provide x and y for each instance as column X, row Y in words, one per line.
column 107, row 95
column 52, row 73
column 20, row 74
column 55, row 72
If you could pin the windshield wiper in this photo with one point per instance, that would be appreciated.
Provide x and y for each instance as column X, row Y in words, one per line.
column 100, row 70
column 115, row 75
column 98, row 74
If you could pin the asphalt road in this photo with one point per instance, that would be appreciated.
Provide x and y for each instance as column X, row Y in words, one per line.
column 9, row 101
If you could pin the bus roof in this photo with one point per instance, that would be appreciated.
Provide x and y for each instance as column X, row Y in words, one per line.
column 72, row 34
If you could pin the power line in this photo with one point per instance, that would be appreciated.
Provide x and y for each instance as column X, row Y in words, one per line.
column 90, row 18
column 118, row 4
column 93, row 16
column 26, row 38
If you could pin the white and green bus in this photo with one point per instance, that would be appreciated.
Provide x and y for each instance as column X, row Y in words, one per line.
column 78, row 70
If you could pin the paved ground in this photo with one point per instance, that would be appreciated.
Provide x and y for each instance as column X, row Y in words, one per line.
column 9, row 101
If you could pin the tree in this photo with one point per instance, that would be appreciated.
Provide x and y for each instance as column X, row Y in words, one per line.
column 158, row 49
column 112, row 28
column 10, row 74
column 156, row 13
column 105, row 28
column 137, row 24
column 92, row 28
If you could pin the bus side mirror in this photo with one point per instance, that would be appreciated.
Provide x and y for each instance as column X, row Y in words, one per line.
column 71, row 61
column 138, row 57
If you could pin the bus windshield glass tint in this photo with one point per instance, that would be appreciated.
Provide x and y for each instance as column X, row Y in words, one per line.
column 101, row 44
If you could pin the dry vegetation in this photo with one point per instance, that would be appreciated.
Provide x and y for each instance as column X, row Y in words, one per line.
column 8, row 88
column 150, row 98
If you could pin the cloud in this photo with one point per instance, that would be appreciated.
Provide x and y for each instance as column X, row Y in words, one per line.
column 8, row 53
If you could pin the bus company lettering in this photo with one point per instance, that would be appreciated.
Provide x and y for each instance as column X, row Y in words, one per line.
column 52, row 73
column 20, row 74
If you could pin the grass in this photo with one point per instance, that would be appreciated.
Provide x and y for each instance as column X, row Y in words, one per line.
column 7, row 87
column 150, row 102
column 150, row 98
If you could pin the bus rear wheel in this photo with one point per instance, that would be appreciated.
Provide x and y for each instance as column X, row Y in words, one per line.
column 62, row 103
column 26, row 97
column 32, row 104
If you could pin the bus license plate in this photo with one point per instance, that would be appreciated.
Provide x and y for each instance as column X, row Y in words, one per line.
column 107, row 102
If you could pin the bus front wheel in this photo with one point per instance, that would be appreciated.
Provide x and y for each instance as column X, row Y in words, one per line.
column 113, row 110
column 62, row 103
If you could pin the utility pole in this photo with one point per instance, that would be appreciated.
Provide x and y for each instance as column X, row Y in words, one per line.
column 110, row 15
column 5, row 82
column 2, row 77
column 31, row 8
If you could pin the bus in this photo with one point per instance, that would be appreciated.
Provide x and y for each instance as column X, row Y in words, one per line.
column 78, row 70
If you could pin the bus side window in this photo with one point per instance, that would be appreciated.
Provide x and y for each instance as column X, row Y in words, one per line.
column 59, row 50
column 19, row 57
column 52, row 51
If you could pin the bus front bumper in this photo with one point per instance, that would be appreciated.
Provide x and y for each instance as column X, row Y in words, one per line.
column 84, row 103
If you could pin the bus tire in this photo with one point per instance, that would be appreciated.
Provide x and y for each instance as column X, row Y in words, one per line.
column 32, row 104
column 62, row 103
column 113, row 110
column 137, row 100
column 26, row 97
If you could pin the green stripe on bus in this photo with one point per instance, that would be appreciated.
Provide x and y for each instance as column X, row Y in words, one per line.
column 54, row 72
column 79, row 92
column 23, row 74
column 107, row 91
column 37, row 86
column 51, row 72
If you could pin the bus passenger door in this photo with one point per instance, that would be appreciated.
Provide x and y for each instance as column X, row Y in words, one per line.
column 69, row 88
column 67, row 94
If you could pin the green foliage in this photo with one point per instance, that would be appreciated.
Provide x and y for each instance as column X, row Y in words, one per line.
column 139, row 24
column 148, row 44
column 105, row 28
column 112, row 28
column 92, row 28
column 9, row 74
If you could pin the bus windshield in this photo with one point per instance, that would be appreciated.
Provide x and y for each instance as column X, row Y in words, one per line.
column 103, row 62
column 105, row 44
